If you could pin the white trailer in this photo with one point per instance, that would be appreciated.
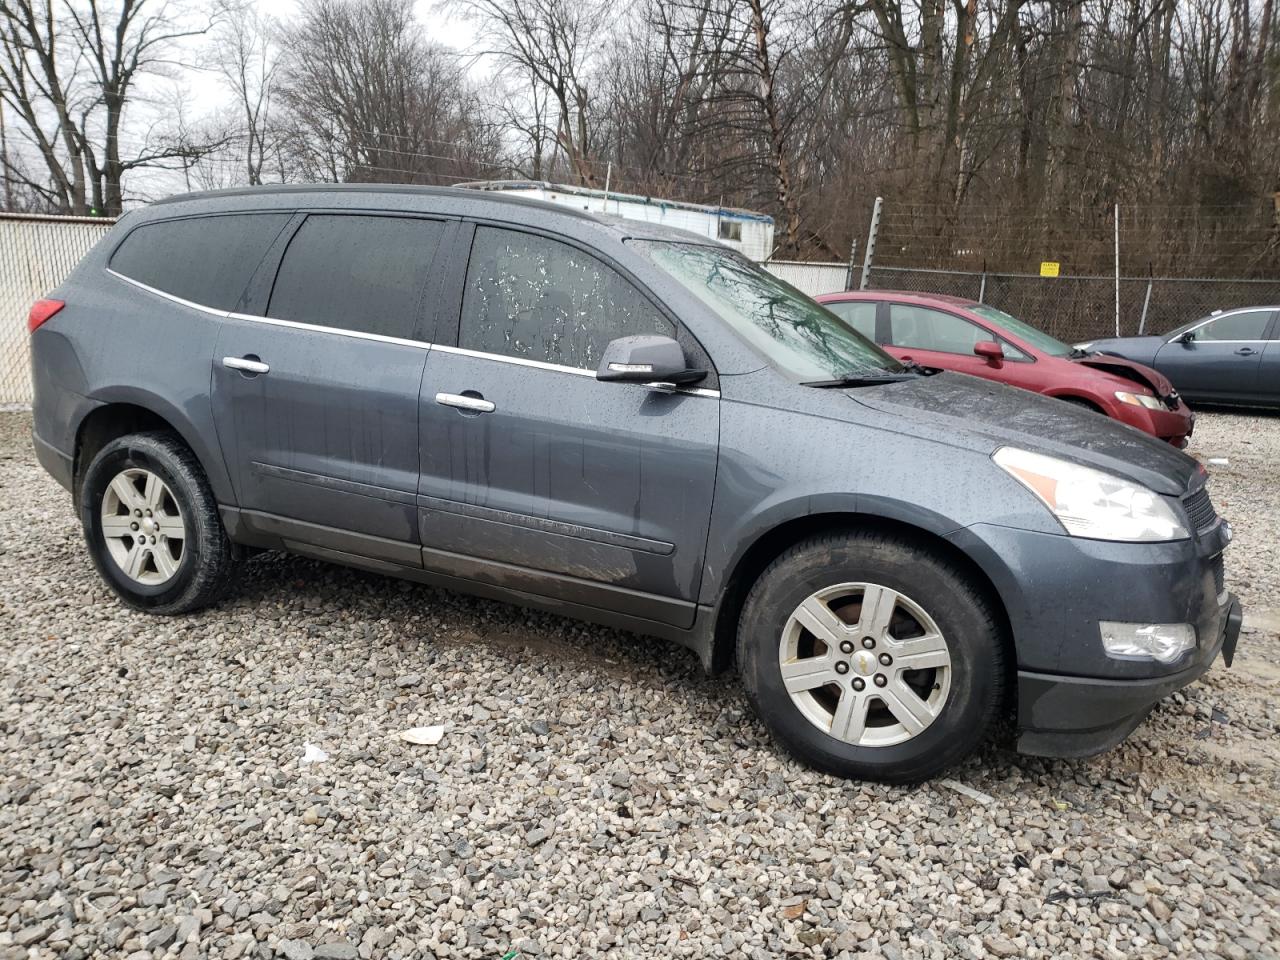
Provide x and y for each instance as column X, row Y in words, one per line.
column 749, row 232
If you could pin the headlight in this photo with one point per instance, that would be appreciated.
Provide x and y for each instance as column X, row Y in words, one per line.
column 1140, row 400
column 1090, row 503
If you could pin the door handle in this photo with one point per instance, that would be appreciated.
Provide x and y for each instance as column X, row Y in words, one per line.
column 472, row 404
column 249, row 365
column 1246, row 352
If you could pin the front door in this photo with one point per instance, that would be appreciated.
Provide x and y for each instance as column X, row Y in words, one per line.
column 316, row 401
column 1222, row 360
column 537, row 476
column 935, row 338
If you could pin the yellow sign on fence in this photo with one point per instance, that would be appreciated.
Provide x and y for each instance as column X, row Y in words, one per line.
column 1049, row 268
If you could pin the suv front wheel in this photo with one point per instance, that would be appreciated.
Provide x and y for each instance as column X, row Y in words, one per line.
column 152, row 525
column 870, row 657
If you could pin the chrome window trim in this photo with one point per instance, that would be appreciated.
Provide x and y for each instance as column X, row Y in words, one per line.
column 271, row 321
column 555, row 367
column 1219, row 316
column 317, row 328
column 168, row 296
column 400, row 341
column 518, row 361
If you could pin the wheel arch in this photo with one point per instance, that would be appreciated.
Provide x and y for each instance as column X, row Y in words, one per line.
column 125, row 411
column 772, row 542
column 1073, row 395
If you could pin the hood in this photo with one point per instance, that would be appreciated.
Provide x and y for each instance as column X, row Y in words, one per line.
column 1129, row 370
column 968, row 409
column 1142, row 349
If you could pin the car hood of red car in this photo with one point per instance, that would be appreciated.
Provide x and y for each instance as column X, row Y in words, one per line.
column 1128, row 370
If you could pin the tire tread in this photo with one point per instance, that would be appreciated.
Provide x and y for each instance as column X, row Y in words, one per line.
column 982, row 603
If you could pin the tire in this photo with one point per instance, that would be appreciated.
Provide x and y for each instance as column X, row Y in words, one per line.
column 151, row 483
column 956, row 704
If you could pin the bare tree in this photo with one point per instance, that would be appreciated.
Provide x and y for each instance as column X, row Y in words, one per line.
column 367, row 98
column 550, row 42
column 247, row 59
column 68, row 69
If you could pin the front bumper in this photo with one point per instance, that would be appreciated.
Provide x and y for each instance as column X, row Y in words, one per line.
column 1080, row 716
column 1072, row 699
column 1173, row 426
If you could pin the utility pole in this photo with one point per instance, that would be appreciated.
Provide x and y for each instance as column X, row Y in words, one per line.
column 871, row 243
column 1117, row 269
column 853, row 262
column 4, row 163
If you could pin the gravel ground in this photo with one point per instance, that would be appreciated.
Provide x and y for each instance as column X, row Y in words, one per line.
column 593, row 793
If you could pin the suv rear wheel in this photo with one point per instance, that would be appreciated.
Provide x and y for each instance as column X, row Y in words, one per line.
column 152, row 525
column 870, row 657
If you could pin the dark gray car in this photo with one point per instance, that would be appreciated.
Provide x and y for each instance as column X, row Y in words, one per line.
column 634, row 426
column 1230, row 357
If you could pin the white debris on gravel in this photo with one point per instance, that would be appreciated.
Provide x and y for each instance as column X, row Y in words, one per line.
column 595, row 795
column 977, row 795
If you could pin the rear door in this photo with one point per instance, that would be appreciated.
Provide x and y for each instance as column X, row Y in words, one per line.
column 1223, row 361
column 538, row 477
column 315, row 386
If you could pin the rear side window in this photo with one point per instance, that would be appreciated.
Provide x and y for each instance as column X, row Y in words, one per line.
column 359, row 273
column 532, row 297
column 859, row 314
column 207, row 260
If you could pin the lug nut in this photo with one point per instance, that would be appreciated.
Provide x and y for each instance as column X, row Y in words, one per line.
column 869, row 642
column 148, row 513
column 133, row 526
column 846, row 646
column 153, row 539
column 880, row 680
column 842, row 667
column 886, row 659
column 137, row 513
column 858, row 683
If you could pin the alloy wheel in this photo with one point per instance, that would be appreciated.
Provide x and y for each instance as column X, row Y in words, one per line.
column 143, row 527
column 865, row 664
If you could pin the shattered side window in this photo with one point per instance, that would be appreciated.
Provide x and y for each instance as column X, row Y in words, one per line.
column 536, row 298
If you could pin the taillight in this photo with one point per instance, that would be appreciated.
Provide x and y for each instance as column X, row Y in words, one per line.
column 41, row 311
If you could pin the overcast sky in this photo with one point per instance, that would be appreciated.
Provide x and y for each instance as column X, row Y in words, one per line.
column 204, row 93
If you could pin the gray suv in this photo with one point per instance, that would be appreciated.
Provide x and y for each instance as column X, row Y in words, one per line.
column 632, row 425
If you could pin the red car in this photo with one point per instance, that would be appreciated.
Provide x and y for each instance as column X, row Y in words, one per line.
column 973, row 338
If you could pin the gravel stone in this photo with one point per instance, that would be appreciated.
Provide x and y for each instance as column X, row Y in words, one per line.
column 596, row 796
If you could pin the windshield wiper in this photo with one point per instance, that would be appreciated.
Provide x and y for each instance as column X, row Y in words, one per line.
column 1078, row 354
column 860, row 380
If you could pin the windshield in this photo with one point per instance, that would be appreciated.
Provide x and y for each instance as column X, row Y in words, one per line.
column 1023, row 330
column 797, row 335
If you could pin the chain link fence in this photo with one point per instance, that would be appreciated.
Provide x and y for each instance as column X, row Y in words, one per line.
column 36, row 254
column 1084, row 308
column 1070, row 308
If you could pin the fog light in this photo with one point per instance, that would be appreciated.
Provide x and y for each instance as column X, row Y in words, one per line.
column 1164, row 642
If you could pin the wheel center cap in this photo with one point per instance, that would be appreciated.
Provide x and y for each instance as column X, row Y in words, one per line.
column 149, row 526
column 864, row 663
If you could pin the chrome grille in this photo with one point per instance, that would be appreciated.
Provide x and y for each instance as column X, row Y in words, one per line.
column 1200, row 509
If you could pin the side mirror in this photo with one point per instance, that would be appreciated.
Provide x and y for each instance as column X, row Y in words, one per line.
column 989, row 350
column 646, row 359
column 1188, row 337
